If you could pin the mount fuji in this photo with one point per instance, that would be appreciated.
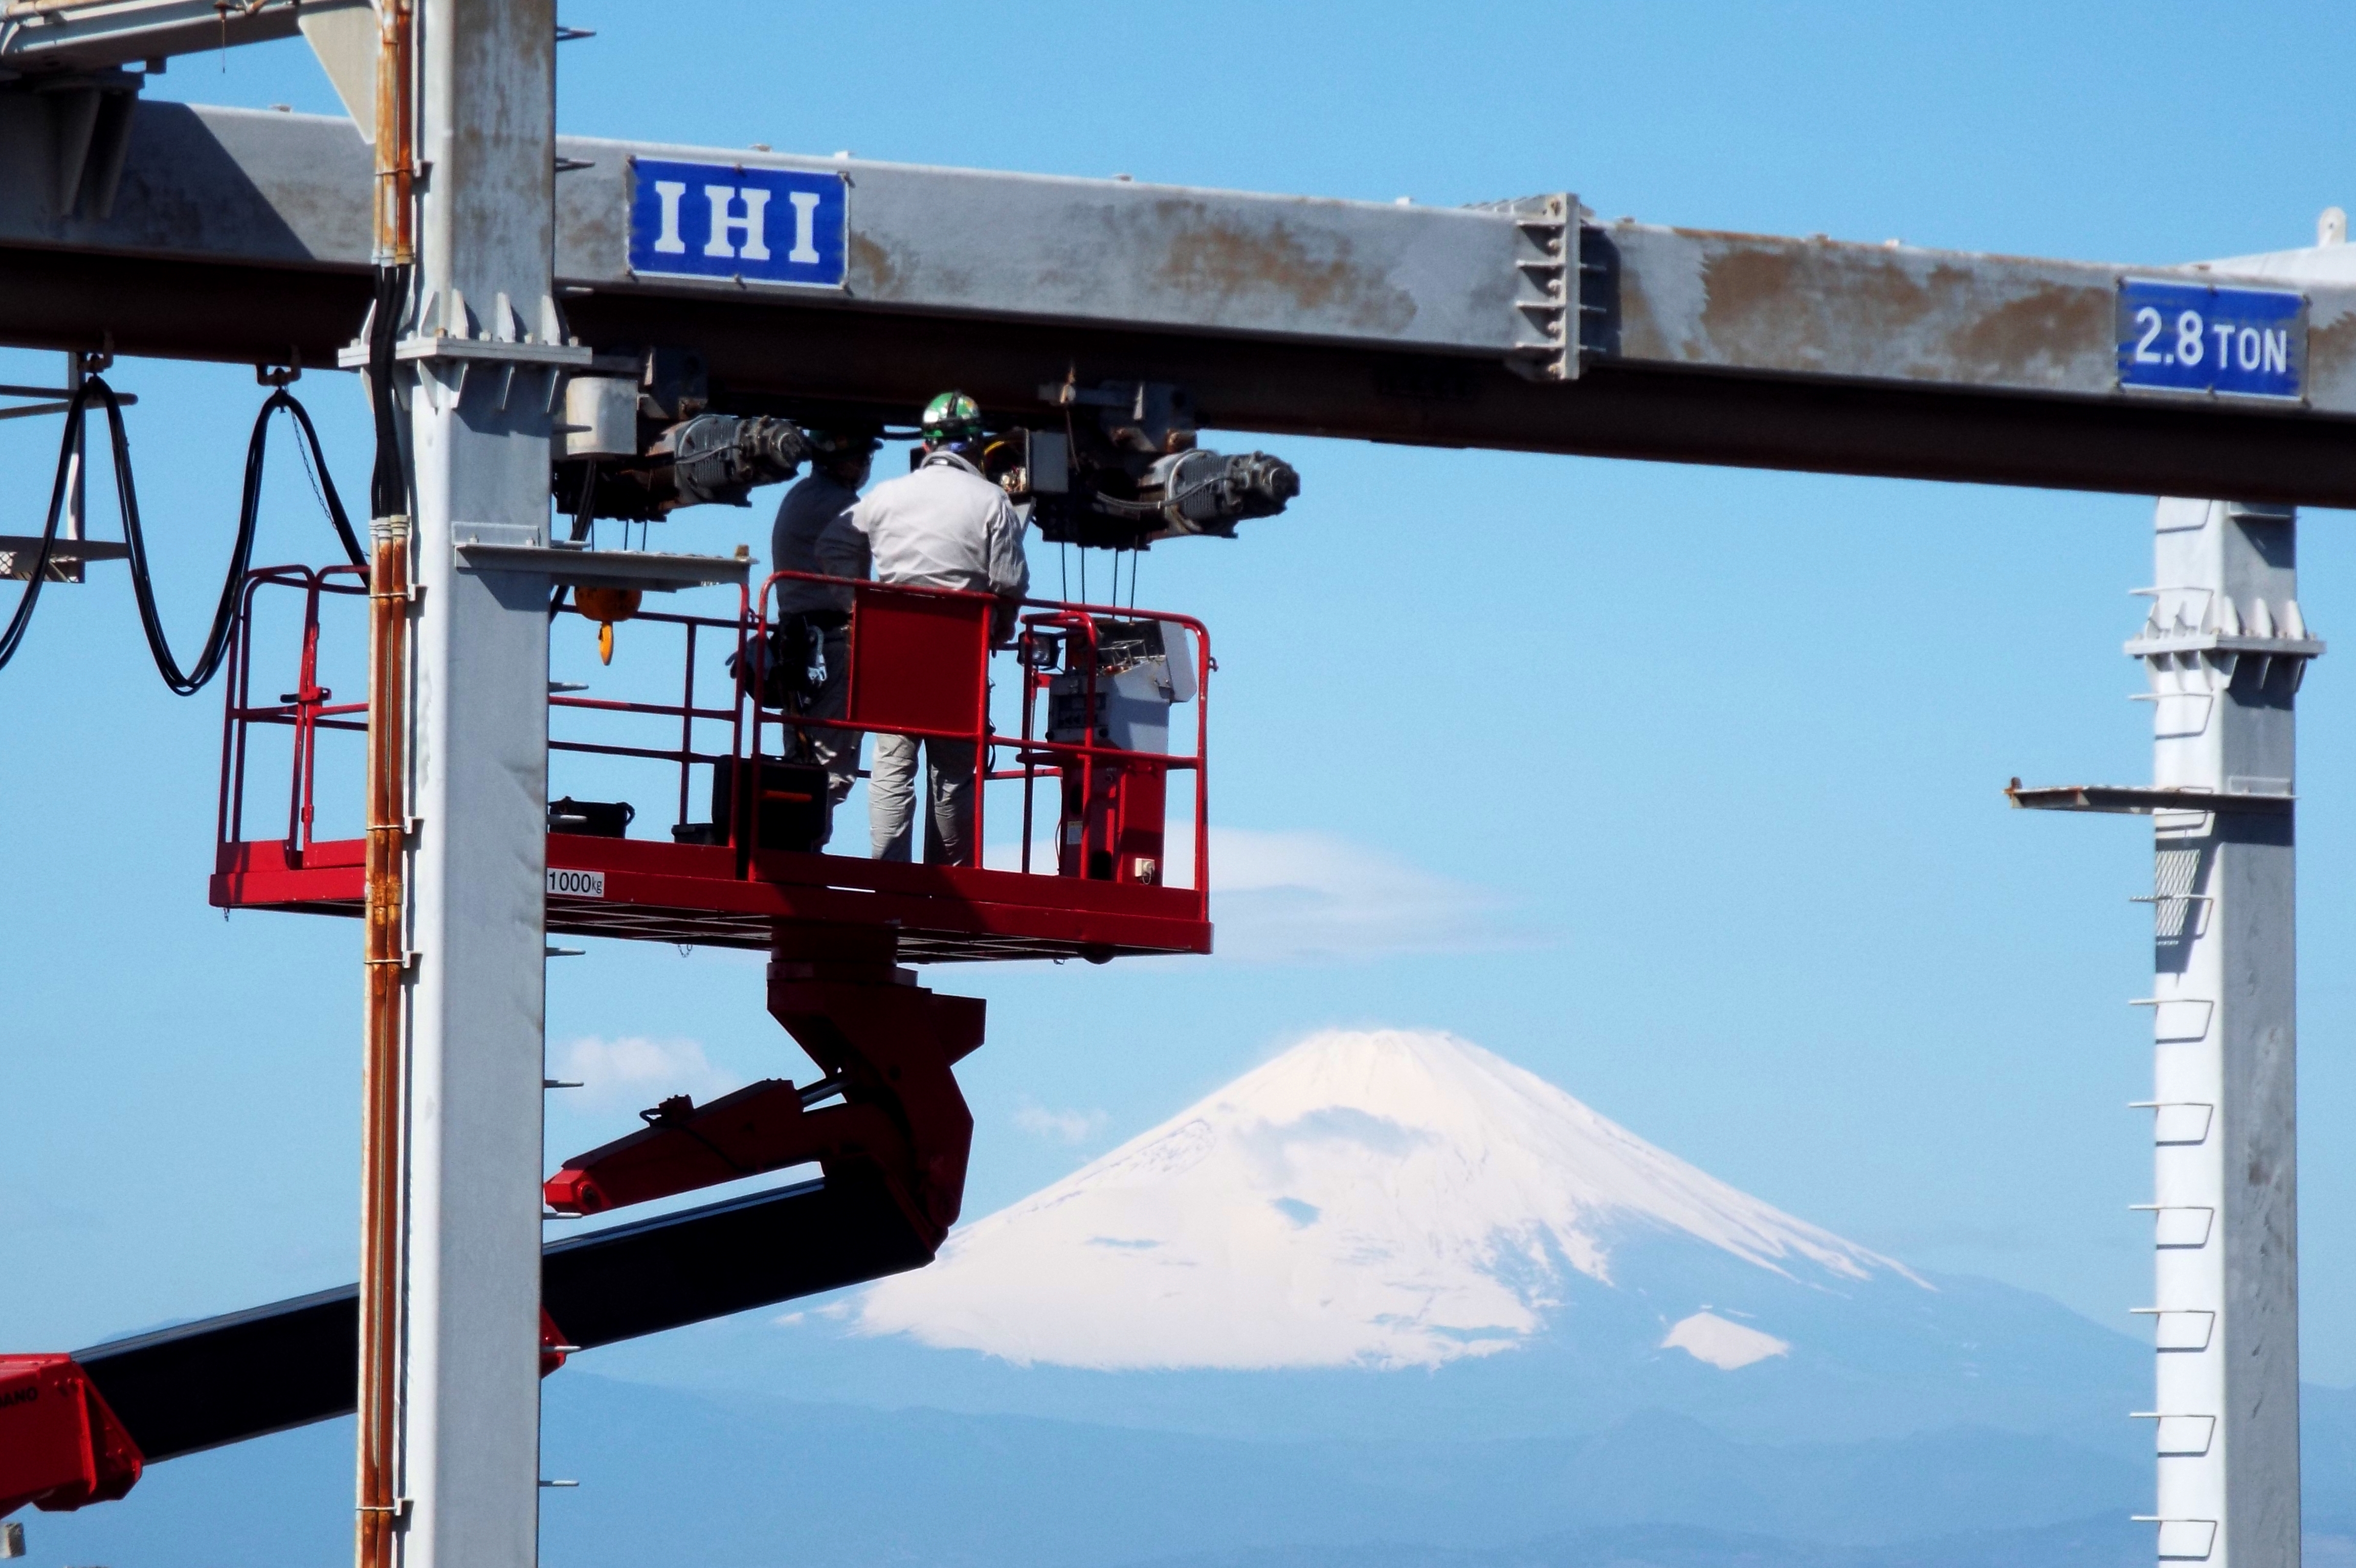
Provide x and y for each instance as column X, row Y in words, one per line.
column 1370, row 1200
column 1388, row 1234
column 1386, row 1298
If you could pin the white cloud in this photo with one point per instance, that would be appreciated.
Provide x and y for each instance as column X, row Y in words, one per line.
column 1290, row 896
column 1293, row 896
column 1064, row 1127
column 634, row 1072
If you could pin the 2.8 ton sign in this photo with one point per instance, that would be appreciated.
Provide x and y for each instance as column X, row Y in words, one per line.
column 2194, row 337
column 748, row 225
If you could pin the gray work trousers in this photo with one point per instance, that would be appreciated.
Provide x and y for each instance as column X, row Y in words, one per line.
column 892, row 799
column 836, row 750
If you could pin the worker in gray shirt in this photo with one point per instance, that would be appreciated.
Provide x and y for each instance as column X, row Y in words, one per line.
column 811, row 645
column 940, row 526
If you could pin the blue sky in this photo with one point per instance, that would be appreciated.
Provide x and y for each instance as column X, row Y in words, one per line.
column 1682, row 782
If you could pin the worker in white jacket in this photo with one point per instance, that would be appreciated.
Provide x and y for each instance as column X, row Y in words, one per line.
column 941, row 526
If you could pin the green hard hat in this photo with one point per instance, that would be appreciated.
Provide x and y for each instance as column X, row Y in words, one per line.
column 951, row 417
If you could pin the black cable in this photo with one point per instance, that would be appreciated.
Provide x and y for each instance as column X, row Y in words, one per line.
column 249, row 517
column 23, row 616
column 388, row 486
column 323, row 487
column 126, row 498
column 584, row 515
column 314, row 468
column 583, row 521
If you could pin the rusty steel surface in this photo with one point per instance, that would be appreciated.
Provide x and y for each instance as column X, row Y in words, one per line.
column 1897, row 313
column 1814, row 307
column 239, row 235
column 1048, row 248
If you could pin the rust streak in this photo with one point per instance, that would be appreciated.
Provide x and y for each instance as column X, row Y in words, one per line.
column 1754, row 311
column 1223, row 260
column 2028, row 337
column 873, row 267
column 1847, row 310
column 2331, row 345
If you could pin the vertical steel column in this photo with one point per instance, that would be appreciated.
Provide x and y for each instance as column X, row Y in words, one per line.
column 2225, row 648
column 483, row 347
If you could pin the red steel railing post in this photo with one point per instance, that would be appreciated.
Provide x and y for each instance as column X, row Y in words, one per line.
column 687, row 722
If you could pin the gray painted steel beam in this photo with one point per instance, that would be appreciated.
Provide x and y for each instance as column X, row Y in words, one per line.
column 41, row 37
column 242, row 236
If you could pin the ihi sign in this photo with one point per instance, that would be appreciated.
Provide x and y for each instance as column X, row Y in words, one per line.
column 745, row 225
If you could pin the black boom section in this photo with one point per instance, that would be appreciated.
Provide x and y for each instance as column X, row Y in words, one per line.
column 727, row 1257
column 224, row 1380
column 219, row 1380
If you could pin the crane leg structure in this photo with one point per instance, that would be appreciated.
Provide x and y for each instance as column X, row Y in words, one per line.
column 482, row 356
column 2225, row 647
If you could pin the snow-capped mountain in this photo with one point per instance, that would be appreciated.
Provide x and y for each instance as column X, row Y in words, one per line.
column 1381, row 1200
column 1402, row 1235
column 1386, row 1288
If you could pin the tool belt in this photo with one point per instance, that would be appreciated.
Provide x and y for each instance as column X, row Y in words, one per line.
column 789, row 667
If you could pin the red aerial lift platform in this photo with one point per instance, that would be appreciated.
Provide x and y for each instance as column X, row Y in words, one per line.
column 694, row 894
column 921, row 664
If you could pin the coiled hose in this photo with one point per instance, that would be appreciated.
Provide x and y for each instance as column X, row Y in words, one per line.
column 249, row 514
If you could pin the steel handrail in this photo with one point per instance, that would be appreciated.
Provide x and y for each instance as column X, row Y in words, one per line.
column 305, row 714
column 311, row 711
column 1079, row 616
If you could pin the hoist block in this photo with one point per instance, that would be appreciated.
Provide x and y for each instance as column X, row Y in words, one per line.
column 60, row 1447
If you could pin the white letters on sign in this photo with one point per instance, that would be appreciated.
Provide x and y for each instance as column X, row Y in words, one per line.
column 805, row 250
column 711, row 220
column 752, row 226
column 669, row 192
column 576, row 884
column 2209, row 339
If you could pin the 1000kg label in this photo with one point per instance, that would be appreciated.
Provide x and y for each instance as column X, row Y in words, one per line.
column 576, row 884
column 2194, row 337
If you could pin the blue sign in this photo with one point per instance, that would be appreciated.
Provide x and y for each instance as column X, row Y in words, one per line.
column 2195, row 338
column 748, row 224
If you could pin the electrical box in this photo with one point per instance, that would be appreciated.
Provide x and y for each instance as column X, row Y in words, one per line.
column 1143, row 669
column 1118, row 695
